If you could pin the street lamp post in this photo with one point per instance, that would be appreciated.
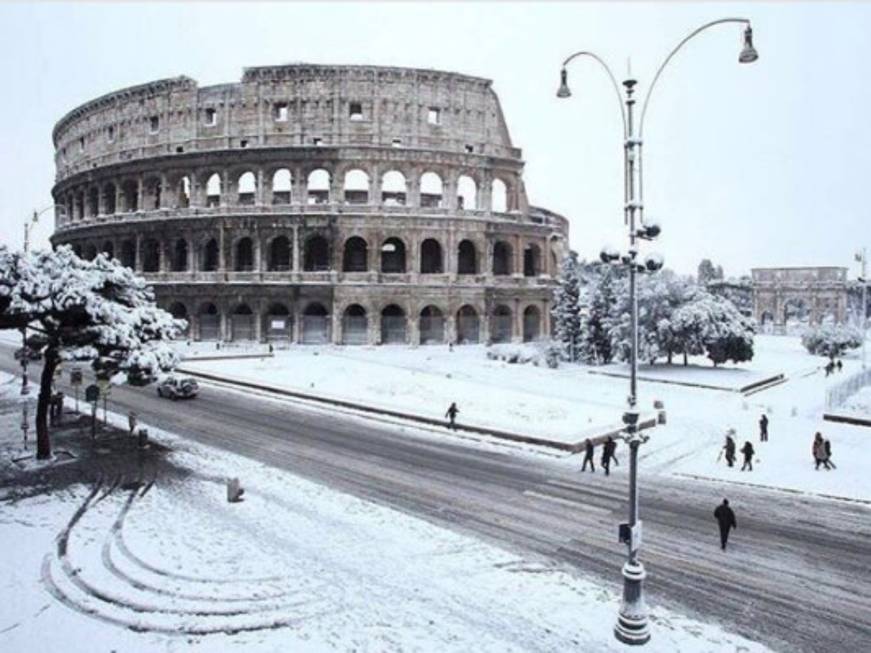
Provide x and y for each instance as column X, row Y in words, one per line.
column 632, row 623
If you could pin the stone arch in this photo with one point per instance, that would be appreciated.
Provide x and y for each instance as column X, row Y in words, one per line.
column 243, row 254
column 128, row 254
column 214, row 190
column 278, row 322
column 130, row 194
column 355, row 325
column 501, row 324
column 179, row 260
column 431, row 189
column 531, row 323
column 77, row 250
column 108, row 249
column 431, row 259
column 394, row 188
column 89, row 252
column 279, row 255
column 393, row 256
column 315, row 324
column 499, row 196
column 209, row 321
column 242, row 323
column 210, row 258
column 356, row 187
column 531, row 260
column 355, row 255
column 468, row 326
column 316, row 254
column 151, row 255
column 502, row 258
column 432, row 325
column 93, row 201
column 796, row 314
column 183, row 192
column 318, row 187
column 394, row 325
column 180, row 312
column 467, row 193
column 467, row 258
column 282, row 184
column 152, row 194
column 246, row 188
column 110, row 193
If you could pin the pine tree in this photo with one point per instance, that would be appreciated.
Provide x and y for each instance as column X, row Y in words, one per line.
column 566, row 308
column 599, row 301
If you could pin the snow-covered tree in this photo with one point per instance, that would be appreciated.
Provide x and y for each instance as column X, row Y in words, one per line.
column 566, row 308
column 97, row 312
column 831, row 339
column 726, row 334
column 598, row 299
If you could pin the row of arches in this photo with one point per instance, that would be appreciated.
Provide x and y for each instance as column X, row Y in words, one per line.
column 391, row 325
column 281, row 186
column 391, row 256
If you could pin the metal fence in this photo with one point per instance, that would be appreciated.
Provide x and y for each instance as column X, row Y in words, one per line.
column 840, row 392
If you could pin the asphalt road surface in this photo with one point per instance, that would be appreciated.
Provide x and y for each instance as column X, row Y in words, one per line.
column 797, row 575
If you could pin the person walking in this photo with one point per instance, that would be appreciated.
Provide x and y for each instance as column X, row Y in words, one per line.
column 607, row 452
column 763, row 428
column 729, row 448
column 726, row 519
column 830, row 367
column 839, row 365
column 451, row 414
column 818, row 449
column 748, row 452
column 827, row 448
column 588, row 456
column 131, row 421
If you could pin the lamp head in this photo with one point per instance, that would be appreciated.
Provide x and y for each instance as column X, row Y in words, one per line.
column 608, row 255
column 748, row 53
column 653, row 262
column 650, row 230
column 564, row 90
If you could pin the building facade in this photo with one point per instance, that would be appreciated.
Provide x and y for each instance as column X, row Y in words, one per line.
column 798, row 295
column 313, row 204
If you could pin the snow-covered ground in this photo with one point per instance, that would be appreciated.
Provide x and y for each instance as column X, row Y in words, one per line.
column 569, row 403
column 858, row 404
column 294, row 567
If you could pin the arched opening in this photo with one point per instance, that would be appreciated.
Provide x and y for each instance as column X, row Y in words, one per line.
column 282, row 183
column 128, row 254
column 315, row 324
column 151, row 255
column 467, row 193
column 431, row 257
column 179, row 261
column 108, row 249
column 130, row 192
column 356, row 187
column 355, row 257
column 244, row 255
column 394, row 189
column 393, row 325
column 501, row 258
column 210, row 259
column 209, row 322
column 77, row 250
column 499, row 197
column 183, row 192
column 316, row 254
column 109, row 193
column 180, row 312
column 318, row 187
column 468, row 326
column 500, row 324
column 280, row 257
column 90, row 252
column 79, row 209
column 278, row 323
column 213, row 190
column 152, row 194
column 246, row 189
column 531, row 324
column 796, row 315
column 430, row 190
column 531, row 261
column 93, row 201
column 432, row 326
column 355, row 325
column 767, row 322
column 242, row 323
column 467, row 258
column 393, row 256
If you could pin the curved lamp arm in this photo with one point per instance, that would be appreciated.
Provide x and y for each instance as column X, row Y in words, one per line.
column 593, row 55
column 743, row 21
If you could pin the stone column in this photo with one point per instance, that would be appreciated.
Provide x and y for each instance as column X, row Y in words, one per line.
column 451, row 327
column 449, row 192
column 517, row 318
column 296, row 263
column 336, row 330
column 517, row 263
column 412, row 334
column 140, row 194
column 260, row 191
column 138, row 253
column 299, row 187
column 222, row 257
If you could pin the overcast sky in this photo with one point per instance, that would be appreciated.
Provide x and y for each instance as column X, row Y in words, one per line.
column 758, row 165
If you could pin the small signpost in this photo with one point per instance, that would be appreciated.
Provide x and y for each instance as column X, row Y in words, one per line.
column 92, row 396
column 25, row 425
column 76, row 381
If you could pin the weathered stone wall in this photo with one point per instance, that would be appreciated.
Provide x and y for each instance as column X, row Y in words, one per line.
column 804, row 294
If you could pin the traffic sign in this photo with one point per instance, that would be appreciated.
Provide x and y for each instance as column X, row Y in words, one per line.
column 76, row 376
column 92, row 393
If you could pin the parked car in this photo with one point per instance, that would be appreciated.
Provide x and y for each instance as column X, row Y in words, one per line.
column 178, row 387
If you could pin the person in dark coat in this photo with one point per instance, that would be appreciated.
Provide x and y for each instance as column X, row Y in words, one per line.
column 827, row 448
column 818, row 449
column 726, row 519
column 839, row 365
column 748, row 452
column 608, row 453
column 451, row 414
column 763, row 428
column 729, row 448
column 588, row 456
column 830, row 367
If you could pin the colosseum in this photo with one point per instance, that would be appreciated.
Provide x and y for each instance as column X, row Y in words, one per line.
column 314, row 204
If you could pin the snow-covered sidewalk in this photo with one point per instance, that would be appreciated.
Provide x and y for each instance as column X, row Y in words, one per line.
column 142, row 566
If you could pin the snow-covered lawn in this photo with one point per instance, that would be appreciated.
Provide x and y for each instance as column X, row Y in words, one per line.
column 859, row 404
column 294, row 567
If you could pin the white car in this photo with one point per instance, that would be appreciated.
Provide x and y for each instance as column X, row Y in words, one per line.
column 178, row 387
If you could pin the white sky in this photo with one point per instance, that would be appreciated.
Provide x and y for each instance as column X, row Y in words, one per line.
column 748, row 165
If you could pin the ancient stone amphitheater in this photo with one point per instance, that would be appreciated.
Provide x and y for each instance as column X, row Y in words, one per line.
column 312, row 204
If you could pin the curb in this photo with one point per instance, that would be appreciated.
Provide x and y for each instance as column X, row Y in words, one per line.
column 846, row 419
column 700, row 477
column 197, row 359
column 773, row 380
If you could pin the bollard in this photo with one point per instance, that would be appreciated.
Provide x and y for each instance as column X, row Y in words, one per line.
column 234, row 490
column 659, row 406
column 143, row 438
